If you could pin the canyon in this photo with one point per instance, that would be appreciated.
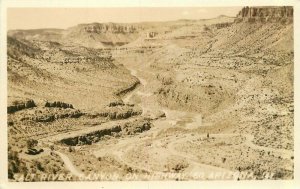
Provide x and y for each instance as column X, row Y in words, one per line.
column 185, row 97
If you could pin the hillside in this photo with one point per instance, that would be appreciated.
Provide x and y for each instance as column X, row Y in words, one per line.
column 156, row 98
column 50, row 71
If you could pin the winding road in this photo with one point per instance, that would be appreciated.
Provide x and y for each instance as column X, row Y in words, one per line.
column 172, row 119
column 69, row 164
column 194, row 119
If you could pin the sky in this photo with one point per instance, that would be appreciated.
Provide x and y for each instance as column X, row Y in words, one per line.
column 34, row 18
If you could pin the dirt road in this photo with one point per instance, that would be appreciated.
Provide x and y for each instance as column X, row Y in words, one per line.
column 173, row 119
column 69, row 164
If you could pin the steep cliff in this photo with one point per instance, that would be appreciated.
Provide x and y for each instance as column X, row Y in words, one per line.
column 266, row 14
column 109, row 27
column 101, row 35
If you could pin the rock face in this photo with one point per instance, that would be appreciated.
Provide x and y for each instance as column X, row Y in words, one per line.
column 136, row 127
column 58, row 104
column 120, row 112
column 129, row 128
column 266, row 14
column 53, row 117
column 20, row 106
column 151, row 34
column 42, row 114
column 222, row 25
column 116, row 103
column 110, row 27
column 91, row 137
column 128, row 89
column 99, row 35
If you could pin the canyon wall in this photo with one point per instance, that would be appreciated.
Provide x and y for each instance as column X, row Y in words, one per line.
column 266, row 14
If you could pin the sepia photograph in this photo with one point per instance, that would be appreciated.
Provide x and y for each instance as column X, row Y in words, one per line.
column 199, row 93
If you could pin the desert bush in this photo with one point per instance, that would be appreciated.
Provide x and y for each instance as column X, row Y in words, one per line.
column 39, row 166
column 223, row 160
column 31, row 143
column 15, row 165
column 129, row 169
column 167, row 81
column 179, row 166
column 206, row 28
column 52, row 147
column 279, row 174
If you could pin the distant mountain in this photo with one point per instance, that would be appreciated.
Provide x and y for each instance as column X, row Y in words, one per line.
column 95, row 35
column 37, row 34
column 224, row 16
column 102, row 35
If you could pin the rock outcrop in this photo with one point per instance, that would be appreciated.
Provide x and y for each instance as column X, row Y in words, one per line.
column 120, row 112
column 116, row 103
column 20, row 106
column 58, row 104
column 128, row 128
column 151, row 34
column 100, row 35
column 109, row 27
column 128, row 89
column 53, row 117
column 92, row 137
column 41, row 114
column 222, row 25
column 266, row 14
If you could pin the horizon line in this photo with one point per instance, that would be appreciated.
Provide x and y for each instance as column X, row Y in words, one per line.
column 147, row 21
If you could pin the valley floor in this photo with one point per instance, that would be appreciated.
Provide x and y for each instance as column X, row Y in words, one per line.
column 180, row 145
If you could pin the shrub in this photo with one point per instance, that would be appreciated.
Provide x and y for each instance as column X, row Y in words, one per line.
column 31, row 143
column 39, row 166
column 15, row 165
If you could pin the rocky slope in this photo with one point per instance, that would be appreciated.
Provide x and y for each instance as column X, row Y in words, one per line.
column 225, row 60
column 54, row 72
column 202, row 92
column 229, row 77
